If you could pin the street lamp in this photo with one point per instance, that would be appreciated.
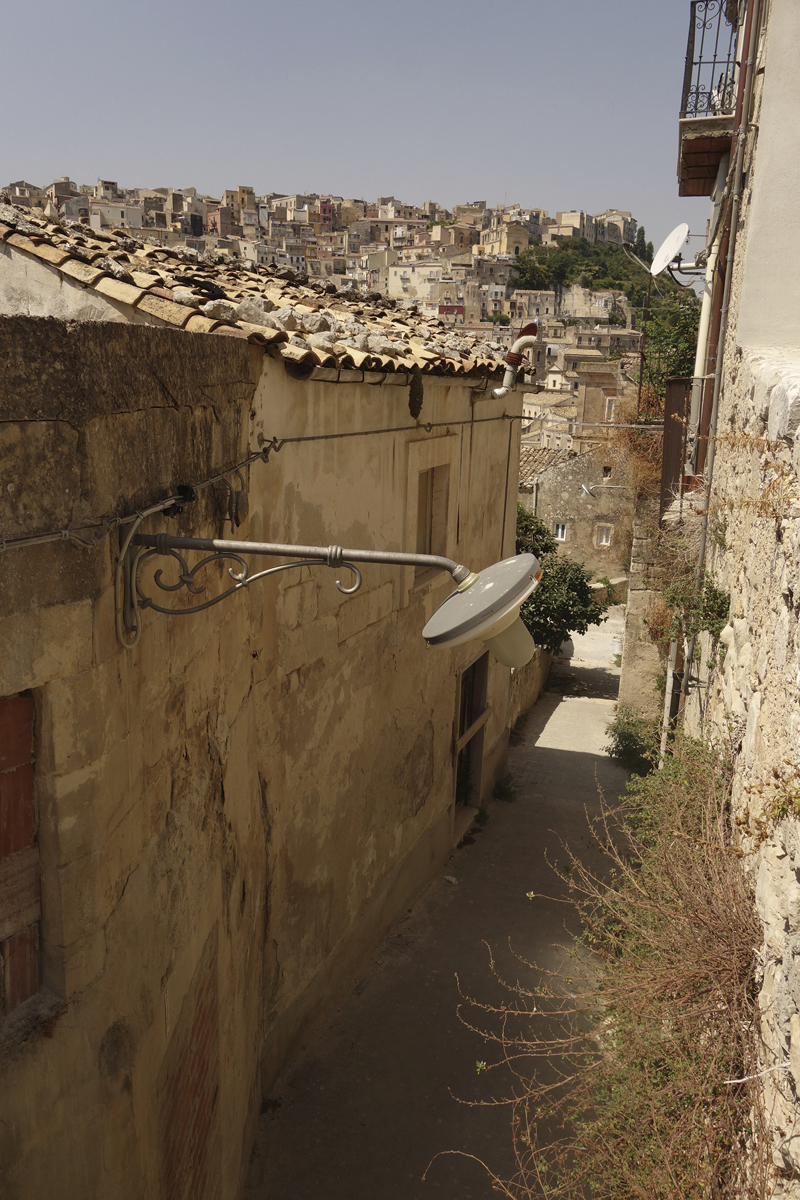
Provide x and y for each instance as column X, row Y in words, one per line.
column 590, row 489
column 484, row 606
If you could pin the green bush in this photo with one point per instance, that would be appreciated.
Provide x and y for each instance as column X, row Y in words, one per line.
column 697, row 610
column 633, row 740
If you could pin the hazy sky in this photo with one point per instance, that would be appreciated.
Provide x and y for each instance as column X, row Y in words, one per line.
column 572, row 104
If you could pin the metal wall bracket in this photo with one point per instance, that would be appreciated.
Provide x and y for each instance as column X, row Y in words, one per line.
column 140, row 548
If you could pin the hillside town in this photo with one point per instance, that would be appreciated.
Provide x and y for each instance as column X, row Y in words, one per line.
column 454, row 265
column 452, row 272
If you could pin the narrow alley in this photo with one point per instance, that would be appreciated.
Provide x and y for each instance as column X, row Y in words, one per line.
column 380, row 1089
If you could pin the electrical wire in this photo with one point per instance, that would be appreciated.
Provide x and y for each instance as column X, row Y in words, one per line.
column 106, row 525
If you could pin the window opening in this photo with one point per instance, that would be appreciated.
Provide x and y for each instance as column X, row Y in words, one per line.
column 604, row 535
column 471, row 720
column 559, row 531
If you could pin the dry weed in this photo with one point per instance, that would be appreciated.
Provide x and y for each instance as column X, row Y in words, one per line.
column 622, row 1068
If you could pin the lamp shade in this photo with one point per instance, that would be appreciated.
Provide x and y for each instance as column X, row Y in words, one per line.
column 487, row 610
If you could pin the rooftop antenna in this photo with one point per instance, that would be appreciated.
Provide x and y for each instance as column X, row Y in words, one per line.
column 667, row 251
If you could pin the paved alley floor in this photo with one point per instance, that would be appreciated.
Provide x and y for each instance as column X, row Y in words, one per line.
column 379, row 1089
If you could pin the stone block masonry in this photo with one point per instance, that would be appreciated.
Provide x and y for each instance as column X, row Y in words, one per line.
column 746, row 694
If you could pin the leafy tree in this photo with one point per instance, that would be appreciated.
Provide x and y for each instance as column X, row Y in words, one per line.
column 640, row 245
column 533, row 536
column 600, row 267
column 532, row 272
column 671, row 340
column 616, row 316
column 563, row 603
column 500, row 319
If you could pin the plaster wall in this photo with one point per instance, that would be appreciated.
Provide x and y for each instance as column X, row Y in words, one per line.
column 35, row 289
column 773, row 222
column 527, row 684
column 231, row 815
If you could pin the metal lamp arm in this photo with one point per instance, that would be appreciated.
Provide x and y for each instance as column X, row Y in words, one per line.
column 141, row 547
column 332, row 556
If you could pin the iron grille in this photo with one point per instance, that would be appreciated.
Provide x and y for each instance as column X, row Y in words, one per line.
column 709, row 78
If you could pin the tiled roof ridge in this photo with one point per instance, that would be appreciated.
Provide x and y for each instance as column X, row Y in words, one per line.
column 301, row 321
column 533, row 460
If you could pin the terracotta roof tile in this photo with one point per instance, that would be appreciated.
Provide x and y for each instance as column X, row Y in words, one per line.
column 268, row 335
column 164, row 310
column 295, row 353
column 126, row 293
column 352, row 317
column 197, row 323
column 50, row 253
column 144, row 279
column 20, row 242
column 535, row 459
column 81, row 271
column 229, row 331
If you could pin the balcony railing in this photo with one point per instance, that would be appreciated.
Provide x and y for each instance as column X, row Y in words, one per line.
column 709, row 78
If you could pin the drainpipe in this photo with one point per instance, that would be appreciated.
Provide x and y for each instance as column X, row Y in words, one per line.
column 750, row 49
column 527, row 338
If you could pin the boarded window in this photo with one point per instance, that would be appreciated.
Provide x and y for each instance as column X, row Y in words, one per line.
column 19, row 856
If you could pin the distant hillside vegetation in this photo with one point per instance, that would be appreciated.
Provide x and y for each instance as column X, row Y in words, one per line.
column 596, row 267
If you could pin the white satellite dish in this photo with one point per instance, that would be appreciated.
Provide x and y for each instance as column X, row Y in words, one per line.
column 668, row 249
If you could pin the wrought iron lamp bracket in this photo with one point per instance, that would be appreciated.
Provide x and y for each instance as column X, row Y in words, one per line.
column 138, row 549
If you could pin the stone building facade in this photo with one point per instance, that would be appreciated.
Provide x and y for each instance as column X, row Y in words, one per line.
column 586, row 501
column 213, row 830
column 748, row 696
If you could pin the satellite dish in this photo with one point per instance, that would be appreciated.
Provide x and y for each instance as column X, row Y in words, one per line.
column 668, row 249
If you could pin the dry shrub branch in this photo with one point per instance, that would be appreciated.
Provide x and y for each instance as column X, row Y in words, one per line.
column 620, row 1063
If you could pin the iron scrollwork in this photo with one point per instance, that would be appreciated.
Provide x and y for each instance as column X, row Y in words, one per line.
column 709, row 74
column 187, row 577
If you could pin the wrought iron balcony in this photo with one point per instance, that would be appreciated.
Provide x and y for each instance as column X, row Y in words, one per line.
column 708, row 101
column 710, row 73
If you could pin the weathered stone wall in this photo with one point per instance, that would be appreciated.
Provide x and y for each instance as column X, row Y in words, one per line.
column 748, row 697
column 232, row 814
column 558, row 496
column 641, row 662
